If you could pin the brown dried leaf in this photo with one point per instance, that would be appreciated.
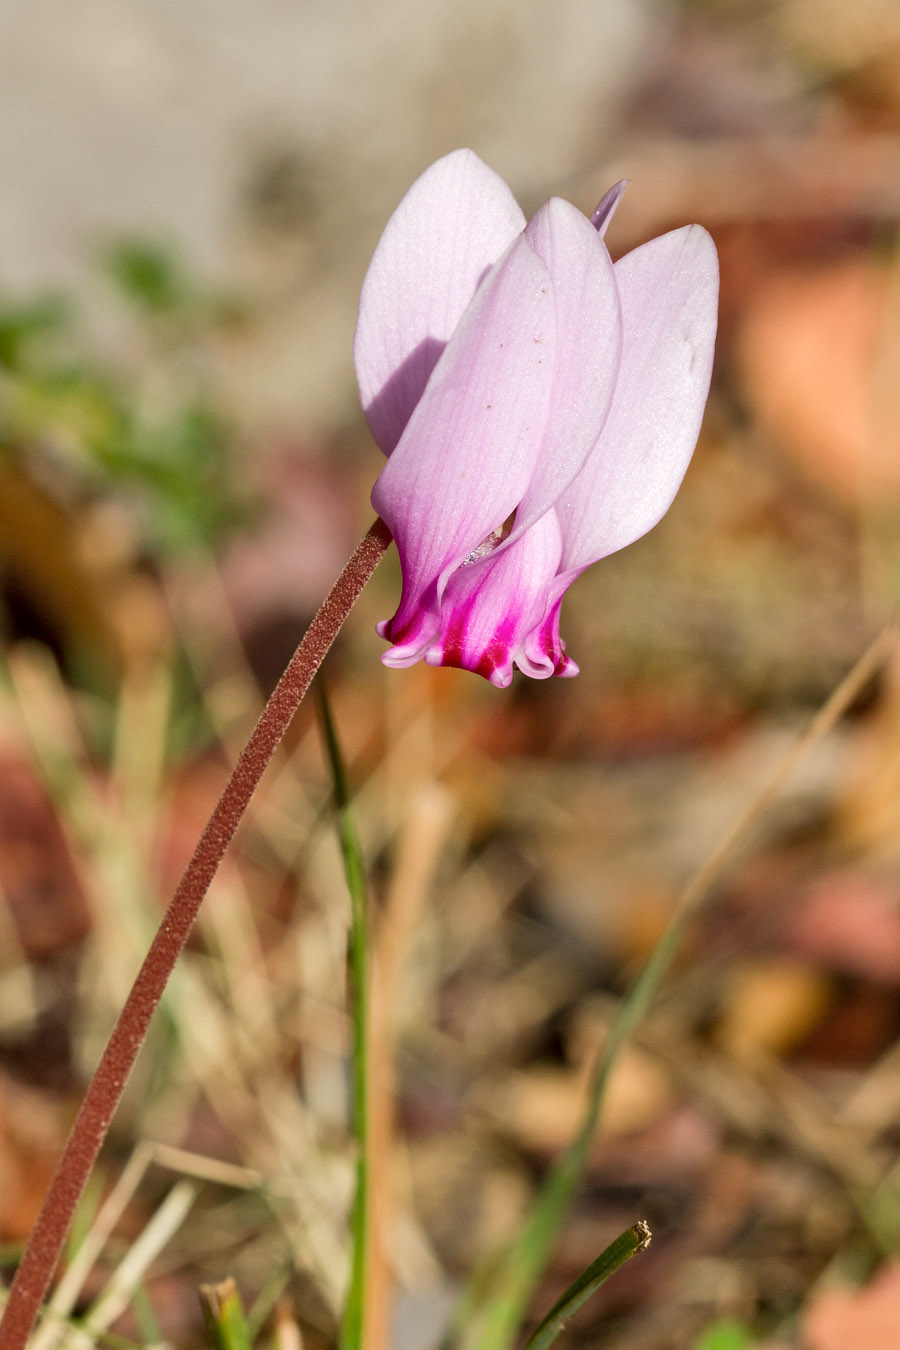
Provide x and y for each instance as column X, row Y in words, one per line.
column 770, row 1006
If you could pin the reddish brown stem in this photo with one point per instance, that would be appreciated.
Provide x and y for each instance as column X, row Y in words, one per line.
column 108, row 1083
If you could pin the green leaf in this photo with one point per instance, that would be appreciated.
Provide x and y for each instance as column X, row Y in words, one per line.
column 725, row 1335
column 354, row 871
column 22, row 325
column 489, row 1317
column 148, row 275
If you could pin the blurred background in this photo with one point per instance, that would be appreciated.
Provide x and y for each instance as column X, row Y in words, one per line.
column 191, row 192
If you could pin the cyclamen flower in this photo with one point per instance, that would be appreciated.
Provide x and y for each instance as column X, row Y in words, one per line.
column 538, row 403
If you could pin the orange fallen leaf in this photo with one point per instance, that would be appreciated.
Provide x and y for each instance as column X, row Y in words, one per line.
column 814, row 352
column 869, row 1317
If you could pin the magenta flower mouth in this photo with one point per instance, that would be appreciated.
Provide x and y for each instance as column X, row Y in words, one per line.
column 538, row 405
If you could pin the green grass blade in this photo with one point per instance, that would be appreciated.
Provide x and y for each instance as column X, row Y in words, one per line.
column 142, row 1307
column 493, row 1307
column 223, row 1313
column 268, row 1297
column 491, row 1322
column 352, row 1326
column 625, row 1246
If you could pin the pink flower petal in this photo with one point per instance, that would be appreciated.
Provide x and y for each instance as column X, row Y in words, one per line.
column 669, row 292
column 471, row 445
column 452, row 225
column 543, row 646
column 588, row 345
column 491, row 606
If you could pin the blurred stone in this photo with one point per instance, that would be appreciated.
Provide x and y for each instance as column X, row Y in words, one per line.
column 273, row 140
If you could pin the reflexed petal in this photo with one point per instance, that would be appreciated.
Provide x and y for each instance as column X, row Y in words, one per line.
column 669, row 290
column 605, row 209
column 452, row 225
column 471, row 445
column 588, row 345
column 490, row 608
column 544, row 647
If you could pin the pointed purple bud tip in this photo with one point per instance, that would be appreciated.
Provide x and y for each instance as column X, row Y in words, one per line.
column 605, row 209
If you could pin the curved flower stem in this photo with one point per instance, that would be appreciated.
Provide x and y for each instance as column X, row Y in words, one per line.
column 108, row 1083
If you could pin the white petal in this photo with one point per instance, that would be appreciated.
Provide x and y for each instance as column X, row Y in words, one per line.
column 455, row 221
column 669, row 293
column 588, row 344
column 469, row 450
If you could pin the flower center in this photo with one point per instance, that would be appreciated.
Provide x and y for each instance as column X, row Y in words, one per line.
column 494, row 539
